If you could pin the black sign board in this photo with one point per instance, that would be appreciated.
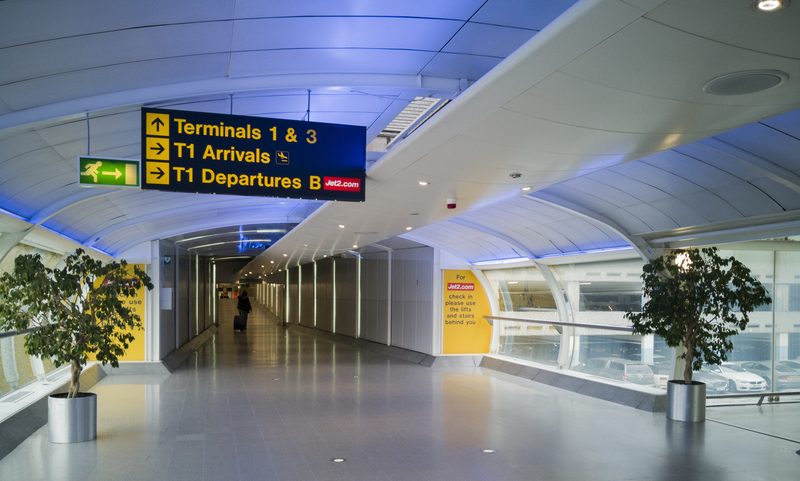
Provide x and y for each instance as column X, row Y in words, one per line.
column 238, row 155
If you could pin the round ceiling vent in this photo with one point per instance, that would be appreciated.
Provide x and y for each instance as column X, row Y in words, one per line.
column 743, row 83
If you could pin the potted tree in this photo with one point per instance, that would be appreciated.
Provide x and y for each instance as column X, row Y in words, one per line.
column 75, row 311
column 697, row 300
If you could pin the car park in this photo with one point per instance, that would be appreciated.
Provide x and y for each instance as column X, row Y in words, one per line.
column 788, row 376
column 635, row 372
column 739, row 380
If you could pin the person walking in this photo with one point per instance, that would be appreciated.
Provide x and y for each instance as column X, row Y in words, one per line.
column 244, row 307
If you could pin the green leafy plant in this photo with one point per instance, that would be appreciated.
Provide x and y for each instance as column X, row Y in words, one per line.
column 76, row 310
column 697, row 299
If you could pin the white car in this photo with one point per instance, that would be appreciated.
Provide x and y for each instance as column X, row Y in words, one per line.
column 739, row 380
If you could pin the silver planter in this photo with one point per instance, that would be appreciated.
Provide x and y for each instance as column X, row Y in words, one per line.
column 72, row 420
column 686, row 402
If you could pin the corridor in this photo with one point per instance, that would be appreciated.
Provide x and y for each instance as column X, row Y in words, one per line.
column 276, row 404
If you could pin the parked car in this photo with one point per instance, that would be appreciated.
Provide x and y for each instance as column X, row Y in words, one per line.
column 660, row 374
column 788, row 375
column 635, row 372
column 739, row 380
column 715, row 384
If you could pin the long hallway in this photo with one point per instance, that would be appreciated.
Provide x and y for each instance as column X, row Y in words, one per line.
column 277, row 404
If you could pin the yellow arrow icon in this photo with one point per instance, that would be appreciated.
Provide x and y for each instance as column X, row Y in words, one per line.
column 158, row 173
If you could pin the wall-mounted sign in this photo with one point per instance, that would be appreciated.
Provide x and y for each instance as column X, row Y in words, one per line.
column 136, row 303
column 237, row 155
column 103, row 172
column 167, row 261
column 465, row 331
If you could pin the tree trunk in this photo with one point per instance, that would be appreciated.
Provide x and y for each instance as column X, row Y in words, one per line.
column 75, row 380
column 689, row 359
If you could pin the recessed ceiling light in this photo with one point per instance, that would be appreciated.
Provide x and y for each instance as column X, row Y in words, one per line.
column 338, row 460
column 305, row 245
column 488, row 451
column 341, row 226
column 271, row 262
column 770, row 5
column 262, row 266
column 285, row 255
column 422, row 182
column 526, row 188
column 326, row 255
column 408, row 228
column 355, row 246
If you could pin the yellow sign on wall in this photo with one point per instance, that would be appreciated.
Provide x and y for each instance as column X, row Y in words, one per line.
column 465, row 331
column 135, row 351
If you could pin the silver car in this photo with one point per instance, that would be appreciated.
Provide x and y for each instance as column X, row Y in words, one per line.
column 786, row 371
column 739, row 380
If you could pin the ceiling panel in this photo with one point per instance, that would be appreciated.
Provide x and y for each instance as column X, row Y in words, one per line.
column 99, row 126
column 15, row 173
column 12, row 147
column 106, row 49
column 679, row 211
column 487, row 40
column 654, row 218
column 461, row 10
column 521, row 131
column 532, row 14
column 669, row 60
column 97, row 81
column 67, row 19
column 692, row 164
column 638, row 190
column 744, row 27
column 575, row 196
column 296, row 33
column 574, row 101
column 627, row 221
column 748, row 200
column 283, row 62
column 767, row 143
column 711, row 206
column 787, row 198
column 789, row 123
column 658, row 178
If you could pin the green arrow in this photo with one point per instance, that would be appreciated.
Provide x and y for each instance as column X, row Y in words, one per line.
column 116, row 173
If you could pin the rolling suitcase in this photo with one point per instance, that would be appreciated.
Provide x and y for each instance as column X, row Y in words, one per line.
column 239, row 322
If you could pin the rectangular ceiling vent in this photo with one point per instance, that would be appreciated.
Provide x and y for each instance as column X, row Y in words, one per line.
column 415, row 114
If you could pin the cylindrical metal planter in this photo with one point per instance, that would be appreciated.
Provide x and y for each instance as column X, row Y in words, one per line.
column 72, row 420
column 686, row 402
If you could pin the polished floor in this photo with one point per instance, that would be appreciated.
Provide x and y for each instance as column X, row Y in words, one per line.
column 274, row 404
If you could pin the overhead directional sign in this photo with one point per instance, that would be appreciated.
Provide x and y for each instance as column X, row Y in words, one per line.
column 102, row 172
column 238, row 155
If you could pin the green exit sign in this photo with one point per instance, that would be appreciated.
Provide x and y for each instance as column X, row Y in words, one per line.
column 101, row 172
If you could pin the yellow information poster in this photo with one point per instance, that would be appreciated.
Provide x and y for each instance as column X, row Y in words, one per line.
column 465, row 331
column 135, row 351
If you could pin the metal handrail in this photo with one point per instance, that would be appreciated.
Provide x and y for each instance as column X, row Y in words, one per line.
column 760, row 395
column 558, row 323
column 15, row 333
